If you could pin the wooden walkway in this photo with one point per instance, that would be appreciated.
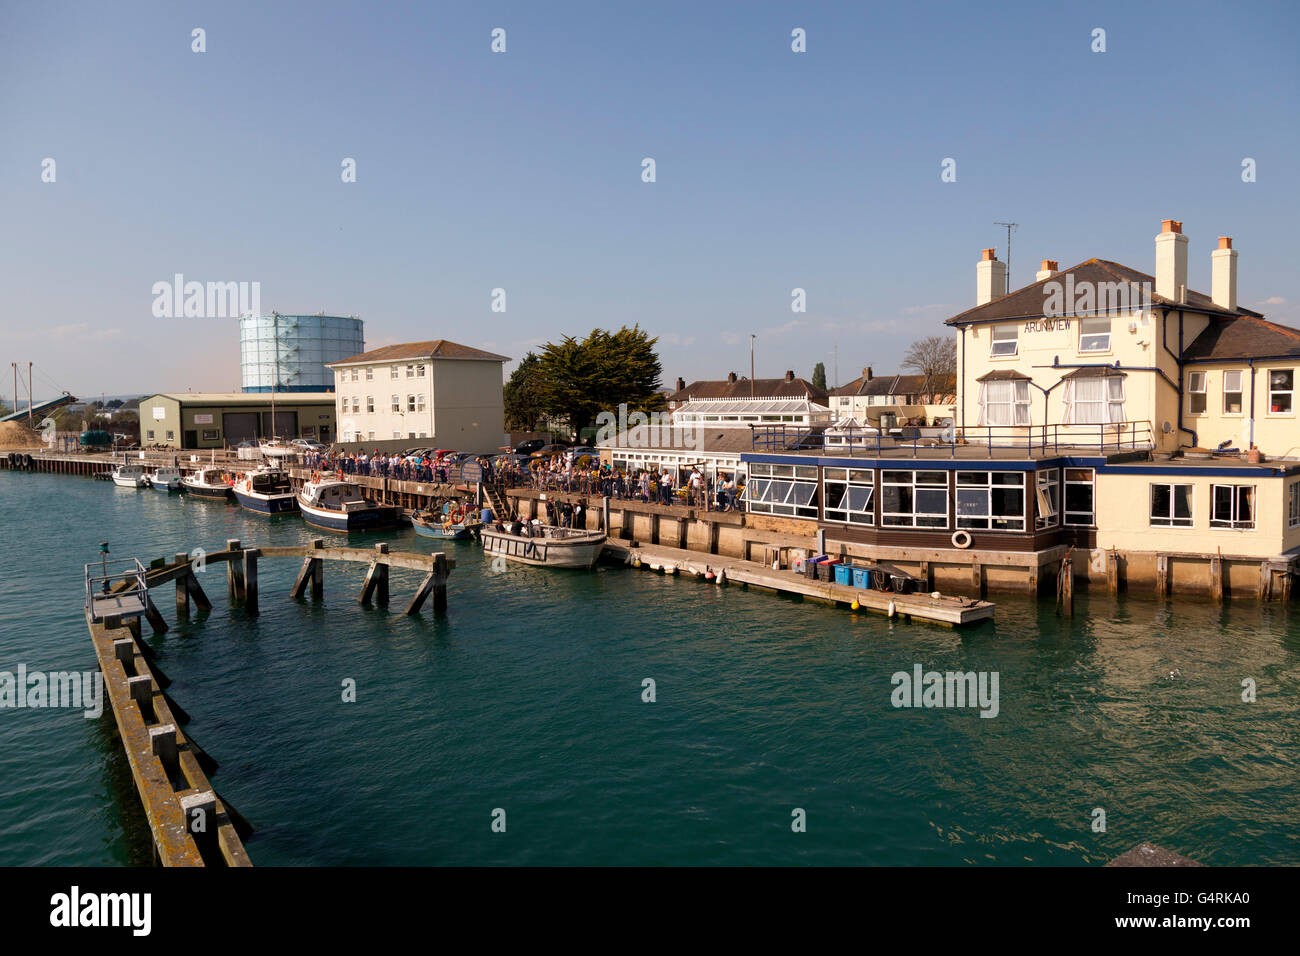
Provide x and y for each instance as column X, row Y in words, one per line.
column 190, row 823
column 945, row 610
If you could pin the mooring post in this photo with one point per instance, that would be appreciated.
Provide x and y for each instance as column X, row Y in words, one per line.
column 1265, row 581
column 163, row 741
column 235, row 571
column 124, row 651
column 1216, row 577
column 376, row 578
column 250, row 580
column 155, row 619
column 1162, row 575
column 141, row 690
column 1067, row 585
column 182, row 591
column 317, row 571
column 440, row 581
column 200, row 810
column 604, row 515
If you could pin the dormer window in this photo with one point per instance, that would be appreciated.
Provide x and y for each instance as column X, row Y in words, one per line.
column 1004, row 342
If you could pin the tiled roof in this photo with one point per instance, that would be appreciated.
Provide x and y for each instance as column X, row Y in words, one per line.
column 1027, row 303
column 894, row 385
column 1003, row 375
column 438, row 348
column 763, row 388
column 1096, row 371
column 1243, row 338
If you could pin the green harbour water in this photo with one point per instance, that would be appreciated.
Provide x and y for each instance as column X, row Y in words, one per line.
column 527, row 696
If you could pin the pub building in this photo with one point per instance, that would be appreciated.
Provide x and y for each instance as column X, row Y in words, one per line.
column 1146, row 426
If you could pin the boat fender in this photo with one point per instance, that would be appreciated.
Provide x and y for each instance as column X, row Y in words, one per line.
column 892, row 609
column 670, row 569
column 27, row 461
column 855, row 605
column 722, row 576
column 961, row 539
column 709, row 575
column 636, row 563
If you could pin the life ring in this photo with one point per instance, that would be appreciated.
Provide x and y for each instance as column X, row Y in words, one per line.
column 961, row 539
column 456, row 515
column 315, row 476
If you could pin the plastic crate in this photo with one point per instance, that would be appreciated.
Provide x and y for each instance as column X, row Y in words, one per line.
column 862, row 578
column 844, row 574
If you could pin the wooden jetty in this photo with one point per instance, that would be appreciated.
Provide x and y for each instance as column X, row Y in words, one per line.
column 190, row 823
column 948, row 611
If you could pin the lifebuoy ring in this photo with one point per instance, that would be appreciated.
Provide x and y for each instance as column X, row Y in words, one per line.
column 961, row 539
column 315, row 476
column 456, row 515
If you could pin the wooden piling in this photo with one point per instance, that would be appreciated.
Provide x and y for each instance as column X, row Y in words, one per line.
column 1162, row 575
column 1216, row 577
column 1112, row 571
column 156, row 620
column 182, row 592
column 1066, row 584
column 234, row 572
column 250, row 580
column 310, row 572
column 376, row 583
column 1265, row 581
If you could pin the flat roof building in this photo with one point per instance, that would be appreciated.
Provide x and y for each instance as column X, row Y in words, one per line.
column 224, row 419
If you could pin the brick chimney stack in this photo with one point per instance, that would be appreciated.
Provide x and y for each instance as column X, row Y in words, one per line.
column 1171, row 261
column 1048, row 269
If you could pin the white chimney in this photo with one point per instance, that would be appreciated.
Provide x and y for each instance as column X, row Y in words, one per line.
column 1049, row 268
column 1171, row 261
column 990, row 278
column 1223, row 275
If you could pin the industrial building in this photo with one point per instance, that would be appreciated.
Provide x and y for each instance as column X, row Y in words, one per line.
column 289, row 353
column 223, row 419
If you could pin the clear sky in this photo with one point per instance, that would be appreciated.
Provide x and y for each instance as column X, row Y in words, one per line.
column 522, row 170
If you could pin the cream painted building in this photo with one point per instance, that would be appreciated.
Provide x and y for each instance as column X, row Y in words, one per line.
column 449, row 395
column 1104, row 413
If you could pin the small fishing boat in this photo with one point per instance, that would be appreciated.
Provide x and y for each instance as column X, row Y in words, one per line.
column 207, row 483
column 548, row 546
column 451, row 524
column 266, row 491
column 338, row 505
column 130, row 476
column 165, row 479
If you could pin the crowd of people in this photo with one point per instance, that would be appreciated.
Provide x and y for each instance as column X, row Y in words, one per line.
column 560, row 473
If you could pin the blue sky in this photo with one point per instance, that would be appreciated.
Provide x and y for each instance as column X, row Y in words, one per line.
column 522, row 170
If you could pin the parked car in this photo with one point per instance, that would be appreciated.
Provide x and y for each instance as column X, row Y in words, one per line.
column 308, row 444
column 528, row 447
column 588, row 451
column 547, row 450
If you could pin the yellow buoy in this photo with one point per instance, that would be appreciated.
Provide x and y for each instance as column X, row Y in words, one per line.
column 855, row 605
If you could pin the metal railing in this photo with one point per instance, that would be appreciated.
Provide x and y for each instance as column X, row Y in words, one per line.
column 116, row 571
column 995, row 440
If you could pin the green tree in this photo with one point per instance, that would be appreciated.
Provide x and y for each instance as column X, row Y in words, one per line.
column 819, row 375
column 525, row 395
column 599, row 373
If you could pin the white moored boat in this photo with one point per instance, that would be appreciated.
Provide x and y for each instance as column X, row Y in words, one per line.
column 130, row 476
column 166, row 478
column 267, row 491
column 549, row 547
column 208, row 483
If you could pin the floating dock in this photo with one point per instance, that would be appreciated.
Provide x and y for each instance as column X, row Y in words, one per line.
column 948, row 611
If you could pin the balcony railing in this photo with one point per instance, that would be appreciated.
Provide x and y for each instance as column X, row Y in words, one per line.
column 996, row 441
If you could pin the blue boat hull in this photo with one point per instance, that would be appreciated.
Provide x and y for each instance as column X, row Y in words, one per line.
column 278, row 505
column 362, row 519
column 457, row 532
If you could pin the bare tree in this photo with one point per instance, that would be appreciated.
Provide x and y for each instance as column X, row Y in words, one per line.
column 935, row 358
